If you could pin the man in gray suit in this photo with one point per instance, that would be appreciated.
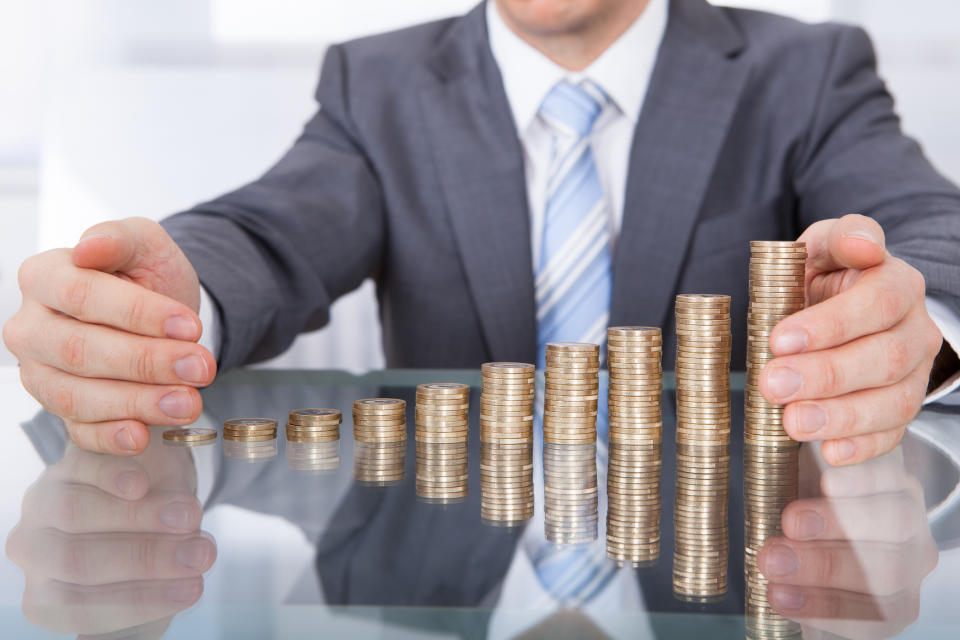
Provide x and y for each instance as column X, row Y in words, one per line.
column 433, row 166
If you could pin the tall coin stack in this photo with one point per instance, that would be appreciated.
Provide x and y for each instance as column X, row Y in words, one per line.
column 571, row 390
column 770, row 475
column 570, row 497
column 634, row 358
column 701, row 532
column 313, row 425
column 506, row 443
column 442, row 426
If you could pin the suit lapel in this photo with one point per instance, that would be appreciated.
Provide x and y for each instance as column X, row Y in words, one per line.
column 693, row 93
column 480, row 164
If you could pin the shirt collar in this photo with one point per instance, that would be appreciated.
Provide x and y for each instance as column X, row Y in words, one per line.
column 622, row 70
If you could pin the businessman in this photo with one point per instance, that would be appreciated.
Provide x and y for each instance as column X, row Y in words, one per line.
column 529, row 172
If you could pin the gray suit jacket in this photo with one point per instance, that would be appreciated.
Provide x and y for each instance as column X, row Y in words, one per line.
column 754, row 126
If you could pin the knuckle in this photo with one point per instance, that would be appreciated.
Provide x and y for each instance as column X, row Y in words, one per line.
column 898, row 359
column 847, row 419
column 146, row 552
column 66, row 510
column 64, row 400
column 27, row 274
column 144, row 364
column 74, row 566
column 76, row 295
column 136, row 313
column 73, row 352
column 934, row 338
column 828, row 565
column 831, row 374
column 13, row 337
column 889, row 305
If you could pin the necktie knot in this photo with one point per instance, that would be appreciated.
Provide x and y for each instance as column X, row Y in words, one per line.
column 574, row 107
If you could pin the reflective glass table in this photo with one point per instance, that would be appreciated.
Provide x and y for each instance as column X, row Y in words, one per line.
column 297, row 540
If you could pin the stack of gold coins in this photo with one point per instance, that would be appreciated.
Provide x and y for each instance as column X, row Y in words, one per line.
column 571, row 385
column 443, row 412
column 190, row 437
column 380, row 420
column 634, row 358
column 701, row 532
column 250, row 429
column 506, row 443
column 442, row 427
column 379, row 463
column 506, row 483
column 506, row 402
column 316, row 457
column 770, row 475
column 313, row 425
column 570, row 492
column 633, row 504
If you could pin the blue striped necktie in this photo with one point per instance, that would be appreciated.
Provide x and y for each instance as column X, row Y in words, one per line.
column 574, row 279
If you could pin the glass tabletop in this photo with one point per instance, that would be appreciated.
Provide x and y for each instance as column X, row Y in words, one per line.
column 278, row 539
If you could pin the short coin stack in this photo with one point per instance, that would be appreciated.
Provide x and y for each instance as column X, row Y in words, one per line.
column 506, row 443
column 249, row 429
column 571, row 384
column 313, row 425
column 442, row 426
column 317, row 457
column 570, row 492
column 770, row 475
column 701, row 532
column 380, row 420
column 634, row 358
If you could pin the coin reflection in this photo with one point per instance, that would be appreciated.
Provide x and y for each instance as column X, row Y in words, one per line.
column 316, row 457
column 506, row 483
column 379, row 464
column 442, row 472
column 633, row 504
column 570, row 492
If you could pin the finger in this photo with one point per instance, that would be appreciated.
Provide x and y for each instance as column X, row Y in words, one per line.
column 879, row 299
column 843, row 613
column 852, row 242
column 95, row 351
column 877, row 360
column 120, row 477
column 857, row 413
column 115, row 437
column 84, row 509
column 153, row 630
column 847, row 451
column 103, row 558
column 79, row 399
column 101, row 298
column 867, row 567
column 890, row 517
column 67, row 608
column 109, row 246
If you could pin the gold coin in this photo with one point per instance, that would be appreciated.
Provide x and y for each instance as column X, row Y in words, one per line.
column 190, row 435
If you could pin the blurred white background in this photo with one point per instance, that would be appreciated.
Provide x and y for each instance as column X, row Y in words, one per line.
column 113, row 108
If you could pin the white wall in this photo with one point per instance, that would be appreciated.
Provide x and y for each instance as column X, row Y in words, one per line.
column 110, row 108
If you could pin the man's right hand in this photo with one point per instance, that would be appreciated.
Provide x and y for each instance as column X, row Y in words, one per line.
column 106, row 335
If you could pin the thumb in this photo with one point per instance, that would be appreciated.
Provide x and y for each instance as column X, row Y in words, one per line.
column 108, row 246
column 850, row 242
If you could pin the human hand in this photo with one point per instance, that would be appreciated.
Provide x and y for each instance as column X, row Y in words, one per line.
column 853, row 557
column 106, row 335
column 852, row 368
column 108, row 543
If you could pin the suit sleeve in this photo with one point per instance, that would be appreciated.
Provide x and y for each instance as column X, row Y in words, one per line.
column 276, row 253
column 856, row 159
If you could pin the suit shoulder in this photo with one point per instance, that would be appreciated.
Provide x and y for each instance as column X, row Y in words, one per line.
column 769, row 34
column 402, row 46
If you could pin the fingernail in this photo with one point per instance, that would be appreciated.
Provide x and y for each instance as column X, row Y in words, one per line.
column 177, row 516
column 809, row 524
column 176, row 404
column 126, row 482
column 783, row 382
column 194, row 553
column 180, row 328
column 191, row 369
column 786, row 597
column 790, row 342
column 810, row 418
column 187, row 591
column 862, row 235
column 124, row 440
column 844, row 449
column 780, row 561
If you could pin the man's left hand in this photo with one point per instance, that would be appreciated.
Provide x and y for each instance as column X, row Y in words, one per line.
column 852, row 368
